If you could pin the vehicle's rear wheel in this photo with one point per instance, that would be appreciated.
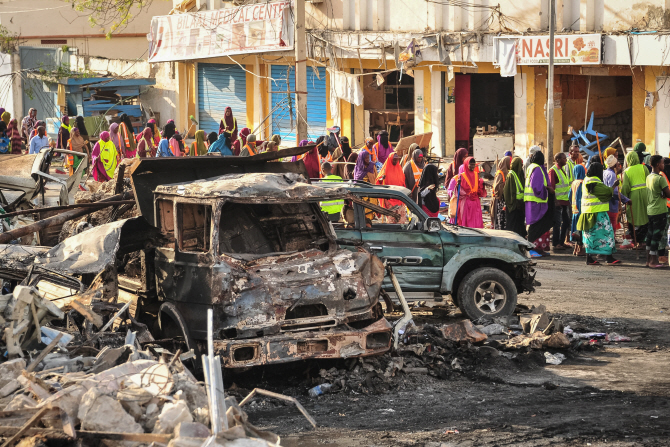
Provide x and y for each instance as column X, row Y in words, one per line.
column 487, row 292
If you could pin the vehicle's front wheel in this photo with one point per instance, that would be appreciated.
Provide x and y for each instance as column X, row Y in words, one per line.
column 487, row 292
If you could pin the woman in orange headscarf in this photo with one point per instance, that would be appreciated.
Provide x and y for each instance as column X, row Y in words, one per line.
column 468, row 189
column 392, row 174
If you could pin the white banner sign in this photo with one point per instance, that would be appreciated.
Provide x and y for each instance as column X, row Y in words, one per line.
column 575, row 49
column 254, row 28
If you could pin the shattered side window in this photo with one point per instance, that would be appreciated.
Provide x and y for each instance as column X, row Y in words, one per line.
column 194, row 221
column 166, row 221
column 263, row 228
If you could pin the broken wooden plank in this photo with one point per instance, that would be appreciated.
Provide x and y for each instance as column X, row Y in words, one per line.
column 44, row 353
column 87, row 313
column 32, row 421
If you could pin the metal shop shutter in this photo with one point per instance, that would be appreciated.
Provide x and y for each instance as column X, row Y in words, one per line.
column 284, row 123
column 221, row 86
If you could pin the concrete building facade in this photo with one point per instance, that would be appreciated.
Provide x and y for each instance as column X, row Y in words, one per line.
column 457, row 85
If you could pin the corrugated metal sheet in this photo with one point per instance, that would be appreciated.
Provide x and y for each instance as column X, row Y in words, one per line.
column 221, row 86
column 283, row 121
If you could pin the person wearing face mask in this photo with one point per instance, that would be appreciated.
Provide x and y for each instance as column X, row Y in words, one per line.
column 412, row 170
column 392, row 174
column 465, row 191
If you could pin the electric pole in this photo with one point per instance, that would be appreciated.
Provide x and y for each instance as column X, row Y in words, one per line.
column 300, row 72
column 550, row 85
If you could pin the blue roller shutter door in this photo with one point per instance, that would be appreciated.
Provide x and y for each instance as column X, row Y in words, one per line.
column 221, row 86
column 283, row 122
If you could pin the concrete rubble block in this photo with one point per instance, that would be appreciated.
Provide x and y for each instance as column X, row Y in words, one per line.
column 191, row 430
column 21, row 402
column 99, row 412
column 68, row 400
column 156, row 379
column 492, row 329
column 138, row 395
column 463, row 331
column 172, row 414
column 194, row 394
column 9, row 388
column 11, row 370
column 191, row 442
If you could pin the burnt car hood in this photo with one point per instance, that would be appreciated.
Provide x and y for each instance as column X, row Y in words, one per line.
column 255, row 187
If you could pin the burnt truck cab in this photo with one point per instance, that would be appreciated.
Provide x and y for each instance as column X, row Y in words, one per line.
column 257, row 249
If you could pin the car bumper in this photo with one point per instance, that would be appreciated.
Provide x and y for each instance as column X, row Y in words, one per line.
column 289, row 347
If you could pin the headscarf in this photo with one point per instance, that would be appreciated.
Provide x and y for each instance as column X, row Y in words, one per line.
column 221, row 145
column 595, row 170
column 164, row 149
column 452, row 170
column 114, row 134
column 199, row 143
column 537, row 157
column 177, row 145
column 169, row 130
column 384, row 148
column 6, row 116
column 145, row 144
column 609, row 151
column 312, row 164
column 79, row 122
column 632, row 159
column 508, row 154
column 509, row 190
column 393, row 174
column 361, row 171
column 154, row 131
column 28, row 123
column 230, row 123
column 578, row 172
column 429, row 177
column 212, row 137
column 303, row 143
column 322, row 148
column 76, row 140
column 465, row 171
column 501, row 177
column 531, row 151
column 170, row 121
column 346, row 148
column 353, row 158
column 611, row 161
column 640, row 149
column 241, row 140
column 14, row 136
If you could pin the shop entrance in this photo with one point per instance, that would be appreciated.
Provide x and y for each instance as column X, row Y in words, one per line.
column 389, row 106
column 484, row 101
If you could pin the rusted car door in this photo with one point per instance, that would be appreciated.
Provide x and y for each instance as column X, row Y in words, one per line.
column 164, row 260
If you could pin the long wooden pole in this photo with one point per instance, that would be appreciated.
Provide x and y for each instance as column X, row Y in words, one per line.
column 58, row 220
column 65, row 208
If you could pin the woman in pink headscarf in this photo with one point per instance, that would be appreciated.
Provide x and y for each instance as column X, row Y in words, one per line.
column 241, row 140
column 145, row 146
column 467, row 188
column 452, row 170
column 114, row 137
column 104, row 158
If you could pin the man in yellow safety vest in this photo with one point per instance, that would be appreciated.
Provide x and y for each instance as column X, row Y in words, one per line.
column 332, row 208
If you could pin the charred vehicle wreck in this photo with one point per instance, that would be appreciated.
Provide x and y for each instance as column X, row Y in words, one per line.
column 257, row 249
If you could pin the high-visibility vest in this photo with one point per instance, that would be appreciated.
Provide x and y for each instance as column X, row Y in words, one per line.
column 528, row 194
column 248, row 148
column 667, row 201
column 108, row 155
column 563, row 185
column 332, row 206
column 126, row 135
column 569, row 170
column 575, row 186
column 417, row 174
column 590, row 203
column 519, row 186
column 636, row 177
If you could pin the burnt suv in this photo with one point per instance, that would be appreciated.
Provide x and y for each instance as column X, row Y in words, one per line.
column 482, row 270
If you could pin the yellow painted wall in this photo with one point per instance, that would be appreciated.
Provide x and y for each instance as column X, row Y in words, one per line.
column 250, row 97
column 530, row 105
column 650, row 115
column 427, row 107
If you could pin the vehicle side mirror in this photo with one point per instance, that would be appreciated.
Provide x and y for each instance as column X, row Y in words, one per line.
column 433, row 225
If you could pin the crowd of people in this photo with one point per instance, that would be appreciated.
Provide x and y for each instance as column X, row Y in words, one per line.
column 578, row 203
column 574, row 203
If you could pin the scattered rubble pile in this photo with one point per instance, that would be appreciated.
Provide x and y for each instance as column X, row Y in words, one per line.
column 530, row 339
column 96, row 192
column 130, row 390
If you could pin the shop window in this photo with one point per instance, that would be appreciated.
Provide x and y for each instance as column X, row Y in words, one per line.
column 194, row 222
column 165, row 219
column 398, row 93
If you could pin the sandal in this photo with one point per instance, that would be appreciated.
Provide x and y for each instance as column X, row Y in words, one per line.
column 657, row 266
column 593, row 263
column 615, row 262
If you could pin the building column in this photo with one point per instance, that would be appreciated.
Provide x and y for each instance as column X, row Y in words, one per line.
column 521, row 138
column 650, row 115
column 436, row 117
column 419, row 101
column 638, row 106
